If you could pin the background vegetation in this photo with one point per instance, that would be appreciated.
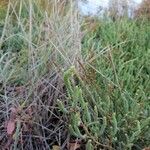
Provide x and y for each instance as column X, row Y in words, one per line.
column 72, row 82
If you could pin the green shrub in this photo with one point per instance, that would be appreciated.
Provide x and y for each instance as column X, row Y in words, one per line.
column 110, row 120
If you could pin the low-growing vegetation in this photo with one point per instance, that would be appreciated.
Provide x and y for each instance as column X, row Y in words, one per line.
column 69, row 82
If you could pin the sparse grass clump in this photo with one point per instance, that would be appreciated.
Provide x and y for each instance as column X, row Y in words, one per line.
column 61, row 88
